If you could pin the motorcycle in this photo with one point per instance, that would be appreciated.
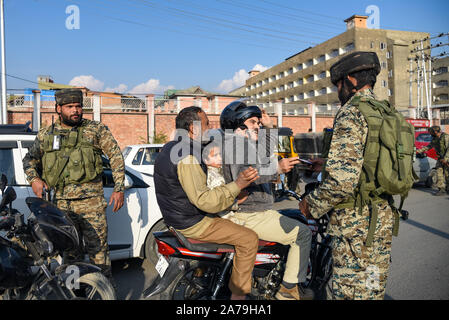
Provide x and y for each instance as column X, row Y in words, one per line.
column 31, row 263
column 193, row 270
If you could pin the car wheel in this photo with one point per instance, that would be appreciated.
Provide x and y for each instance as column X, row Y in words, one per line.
column 151, row 252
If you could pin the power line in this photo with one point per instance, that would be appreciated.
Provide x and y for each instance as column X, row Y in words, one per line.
column 301, row 10
column 228, row 23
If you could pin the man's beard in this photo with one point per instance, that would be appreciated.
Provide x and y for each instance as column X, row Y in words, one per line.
column 345, row 93
column 69, row 122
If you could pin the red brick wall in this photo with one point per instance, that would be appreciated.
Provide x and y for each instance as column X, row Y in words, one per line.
column 132, row 127
column 127, row 128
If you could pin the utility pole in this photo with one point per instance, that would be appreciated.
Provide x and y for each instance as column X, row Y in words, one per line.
column 4, row 114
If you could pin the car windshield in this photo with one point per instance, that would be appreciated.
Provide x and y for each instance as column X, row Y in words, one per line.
column 126, row 152
column 424, row 137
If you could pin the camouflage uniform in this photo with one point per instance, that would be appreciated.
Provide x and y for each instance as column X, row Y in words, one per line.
column 85, row 202
column 359, row 272
column 441, row 146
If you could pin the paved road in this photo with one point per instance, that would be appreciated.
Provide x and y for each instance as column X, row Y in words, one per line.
column 420, row 257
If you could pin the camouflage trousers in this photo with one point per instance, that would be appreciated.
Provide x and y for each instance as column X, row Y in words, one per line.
column 360, row 272
column 89, row 217
column 442, row 177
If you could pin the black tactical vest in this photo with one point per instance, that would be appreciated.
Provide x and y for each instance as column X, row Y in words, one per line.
column 177, row 211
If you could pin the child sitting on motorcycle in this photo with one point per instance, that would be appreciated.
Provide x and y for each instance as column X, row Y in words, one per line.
column 213, row 160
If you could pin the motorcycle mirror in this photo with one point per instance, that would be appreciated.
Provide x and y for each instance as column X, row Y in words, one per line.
column 8, row 197
column 3, row 182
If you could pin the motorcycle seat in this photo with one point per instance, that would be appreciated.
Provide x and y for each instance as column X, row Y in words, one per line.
column 203, row 246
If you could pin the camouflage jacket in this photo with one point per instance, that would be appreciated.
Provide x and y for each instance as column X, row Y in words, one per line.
column 343, row 166
column 441, row 146
column 100, row 137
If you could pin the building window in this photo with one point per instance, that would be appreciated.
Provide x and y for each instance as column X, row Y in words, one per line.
column 321, row 58
column 301, row 96
column 333, row 89
column 384, row 84
column 390, row 73
column 389, row 55
column 440, row 70
column 272, row 78
column 372, row 45
column 299, row 67
column 440, row 84
column 441, row 97
column 348, row 48
column 322, row 91
column 309, row 79
column 290, row 71
column 384, row 65
column 383, row 46
column 290, row 85
column 311, row 93
column 309, row 63
column 390, row 93
column 333, row 54
column 322, row 75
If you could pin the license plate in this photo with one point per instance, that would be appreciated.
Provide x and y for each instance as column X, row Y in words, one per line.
column 161, row 266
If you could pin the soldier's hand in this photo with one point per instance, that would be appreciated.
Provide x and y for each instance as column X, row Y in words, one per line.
column 38, row 186
column 246, row 177
column 287, row 164
column 118, row 198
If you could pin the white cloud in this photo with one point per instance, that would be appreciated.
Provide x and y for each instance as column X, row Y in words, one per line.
column 151, row 86
column 121, row 88
column 87, row 81
column 239, row 79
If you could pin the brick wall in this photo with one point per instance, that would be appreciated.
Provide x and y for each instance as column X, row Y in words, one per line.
column 133, row 128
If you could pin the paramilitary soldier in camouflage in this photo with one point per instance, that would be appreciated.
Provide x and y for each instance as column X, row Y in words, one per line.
column 359, row 270
column 66, row 157
column 440, row 143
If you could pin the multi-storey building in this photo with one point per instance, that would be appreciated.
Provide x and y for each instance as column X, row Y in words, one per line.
column 440, row 88
column 305, row 78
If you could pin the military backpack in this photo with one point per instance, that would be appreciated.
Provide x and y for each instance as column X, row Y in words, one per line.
column 387, row 160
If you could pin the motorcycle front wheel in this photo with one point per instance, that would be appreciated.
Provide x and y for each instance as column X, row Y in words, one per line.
column 89, row 286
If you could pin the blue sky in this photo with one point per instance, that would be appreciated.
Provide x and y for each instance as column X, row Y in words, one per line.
column 144, row 46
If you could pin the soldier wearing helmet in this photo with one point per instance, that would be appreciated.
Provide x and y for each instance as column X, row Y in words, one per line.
column 243, row 123
column 440, row 142
column 360, row 270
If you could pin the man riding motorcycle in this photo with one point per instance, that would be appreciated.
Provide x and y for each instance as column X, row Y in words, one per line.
column 241, row 122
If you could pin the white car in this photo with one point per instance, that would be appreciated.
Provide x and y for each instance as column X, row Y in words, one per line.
column 141, row 157
column 129, row 229
column 424, row 167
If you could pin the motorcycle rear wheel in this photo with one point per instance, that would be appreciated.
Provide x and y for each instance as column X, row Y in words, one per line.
column 194, row 283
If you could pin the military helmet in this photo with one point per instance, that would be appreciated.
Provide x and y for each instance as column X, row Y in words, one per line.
column 434, row 129
column 236, row 113
column 354, row 62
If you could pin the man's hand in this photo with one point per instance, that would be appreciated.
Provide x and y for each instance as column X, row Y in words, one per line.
column 317, row 164
column 118, row 198
column 304, row 208
column 266, row 120
column 38, row 186
column 287, row 164
column 246, row 177
column 243, row 195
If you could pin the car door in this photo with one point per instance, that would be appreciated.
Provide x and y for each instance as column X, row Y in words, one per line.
column 123, row 225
